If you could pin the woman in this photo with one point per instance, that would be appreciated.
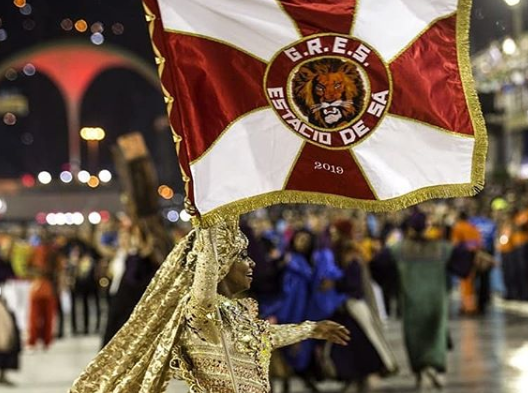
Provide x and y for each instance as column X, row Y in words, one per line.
column 42, row 297
column 296, row 304
column 370, row 352
column 189, row 325
column 10, row 345
column 297, row 278
column 422, row 265
column 139, row 268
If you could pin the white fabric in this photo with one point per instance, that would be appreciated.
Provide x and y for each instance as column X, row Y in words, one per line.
column 7, row 329
column 403, row 156
column 260, row 27
column 362, row 314
column 16, row 295
column 380, row 303
column 117, row 269
column 253, row 157
column 66, row 302
column 390, row 25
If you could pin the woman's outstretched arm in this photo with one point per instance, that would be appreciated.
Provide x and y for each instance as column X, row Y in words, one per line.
column 284, row 335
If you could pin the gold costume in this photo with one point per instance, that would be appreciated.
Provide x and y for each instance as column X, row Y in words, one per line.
column 182, row 328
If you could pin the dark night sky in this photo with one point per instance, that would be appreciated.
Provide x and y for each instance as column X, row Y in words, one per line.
column 118, row 100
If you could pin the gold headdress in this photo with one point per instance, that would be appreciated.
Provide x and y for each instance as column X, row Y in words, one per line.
column 137, row 360
column 229, row 243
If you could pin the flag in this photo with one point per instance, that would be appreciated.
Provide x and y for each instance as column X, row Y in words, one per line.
column 352, row 103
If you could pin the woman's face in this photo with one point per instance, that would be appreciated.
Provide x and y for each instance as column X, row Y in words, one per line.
column 302, row 241
column 335, row 236
column 240, row 275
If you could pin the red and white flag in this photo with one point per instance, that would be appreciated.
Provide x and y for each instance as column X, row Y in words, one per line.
column 353, row 103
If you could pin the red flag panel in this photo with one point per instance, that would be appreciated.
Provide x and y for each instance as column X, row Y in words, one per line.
column 427, row 84
column 315, row 17
column 214, row 79
column 316, row 171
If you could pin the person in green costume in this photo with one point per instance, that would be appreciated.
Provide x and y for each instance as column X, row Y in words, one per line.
column 422, row 274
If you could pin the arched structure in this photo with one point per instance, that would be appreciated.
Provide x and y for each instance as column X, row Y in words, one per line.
column 73, row 66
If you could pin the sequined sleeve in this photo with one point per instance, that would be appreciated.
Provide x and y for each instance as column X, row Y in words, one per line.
column 202, row 315
column 284, row 335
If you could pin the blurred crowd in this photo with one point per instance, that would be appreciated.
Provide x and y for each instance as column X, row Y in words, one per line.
column 70, row 281
column 311, row 263
column 359, row 269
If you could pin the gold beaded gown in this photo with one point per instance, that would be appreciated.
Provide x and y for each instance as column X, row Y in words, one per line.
column 182, row 328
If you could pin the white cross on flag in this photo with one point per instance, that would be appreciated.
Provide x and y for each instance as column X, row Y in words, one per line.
column 353, row 103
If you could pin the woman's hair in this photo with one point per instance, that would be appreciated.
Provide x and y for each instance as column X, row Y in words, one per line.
column 308, row 253
column 415, row 225
column 344, row 227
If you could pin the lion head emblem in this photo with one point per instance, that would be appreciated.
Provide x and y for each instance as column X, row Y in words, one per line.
column 329, row 92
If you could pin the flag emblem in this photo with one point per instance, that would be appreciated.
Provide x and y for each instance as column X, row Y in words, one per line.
column 331, row 89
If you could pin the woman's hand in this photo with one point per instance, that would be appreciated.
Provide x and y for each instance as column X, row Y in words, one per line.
column 331, row 331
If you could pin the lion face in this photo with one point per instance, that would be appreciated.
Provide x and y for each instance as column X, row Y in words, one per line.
column 329, row 92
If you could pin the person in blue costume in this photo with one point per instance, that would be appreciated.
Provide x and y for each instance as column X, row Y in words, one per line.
column 296, row 291
column 488, row 231
column 324, row 299
column 308, row 292
column 296, row 283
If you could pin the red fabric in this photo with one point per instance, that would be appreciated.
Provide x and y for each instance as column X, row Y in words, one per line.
column 427, row 92
column 351, row 183
column 215, row 84
column 167, row 79
column 42, row 306
column 43, row 259
column 321, row 16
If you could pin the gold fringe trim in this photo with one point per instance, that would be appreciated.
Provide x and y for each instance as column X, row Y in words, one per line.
column 478, row 173
column 235, row 209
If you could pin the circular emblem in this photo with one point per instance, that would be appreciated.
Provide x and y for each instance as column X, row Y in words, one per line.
column 332, row 90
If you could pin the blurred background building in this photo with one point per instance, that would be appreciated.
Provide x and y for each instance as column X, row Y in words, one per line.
column 74, row 76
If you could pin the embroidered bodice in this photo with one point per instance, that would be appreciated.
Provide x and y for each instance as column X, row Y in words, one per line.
column 224, row 340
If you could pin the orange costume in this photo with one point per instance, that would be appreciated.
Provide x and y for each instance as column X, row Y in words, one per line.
column 466, row 233
column 42, row 295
